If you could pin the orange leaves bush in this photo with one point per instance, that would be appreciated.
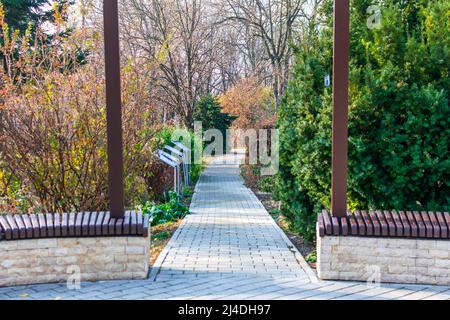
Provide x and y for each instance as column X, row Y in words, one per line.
column 53, row 124
column 252, row 102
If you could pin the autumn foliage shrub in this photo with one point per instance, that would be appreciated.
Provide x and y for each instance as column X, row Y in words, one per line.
column 53, row 123
column 251, row 102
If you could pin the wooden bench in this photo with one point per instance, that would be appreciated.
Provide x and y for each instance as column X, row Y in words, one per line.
column 403, row 224
column 81, row 224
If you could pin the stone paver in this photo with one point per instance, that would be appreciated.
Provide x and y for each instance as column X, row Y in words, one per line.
column 227, row 248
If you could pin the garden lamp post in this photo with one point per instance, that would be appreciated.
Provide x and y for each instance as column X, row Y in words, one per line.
column 341, row 30
column 113, row 108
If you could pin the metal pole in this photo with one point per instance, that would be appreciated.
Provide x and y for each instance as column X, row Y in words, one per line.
column 113, row 107
column 175, row 183
column 340, row 108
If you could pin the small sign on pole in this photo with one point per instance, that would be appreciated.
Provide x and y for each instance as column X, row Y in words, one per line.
column 164, row 158
column 178, row 157
column 175, row 164
column 327, row 80
column 173, row 150
column 180, row 145
column 186, row 159
column 183, row 160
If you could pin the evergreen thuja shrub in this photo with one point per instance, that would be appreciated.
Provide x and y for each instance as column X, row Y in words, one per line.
column 399, row 115
column 304, row 121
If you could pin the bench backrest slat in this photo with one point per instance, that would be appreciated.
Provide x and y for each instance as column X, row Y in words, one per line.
column 82, row 224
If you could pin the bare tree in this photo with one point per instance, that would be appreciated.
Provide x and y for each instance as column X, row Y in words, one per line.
column 180, row 35
column 248, row 51
column 207, row 46
column 272, row 21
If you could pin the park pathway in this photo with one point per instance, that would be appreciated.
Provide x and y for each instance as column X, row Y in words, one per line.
column 227, row 248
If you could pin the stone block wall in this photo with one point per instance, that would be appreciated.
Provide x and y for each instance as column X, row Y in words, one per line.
column 56, row 259
column 398, row 260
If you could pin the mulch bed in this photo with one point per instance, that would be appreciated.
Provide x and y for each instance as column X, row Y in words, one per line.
column 161, row 234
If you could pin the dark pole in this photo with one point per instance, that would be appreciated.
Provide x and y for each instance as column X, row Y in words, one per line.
column 113, row 107
column 340, row 108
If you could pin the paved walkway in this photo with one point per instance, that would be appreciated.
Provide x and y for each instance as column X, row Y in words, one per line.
column 228, row 248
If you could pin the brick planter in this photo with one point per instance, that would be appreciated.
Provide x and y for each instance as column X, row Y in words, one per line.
column 109, row 249
column 387, row 247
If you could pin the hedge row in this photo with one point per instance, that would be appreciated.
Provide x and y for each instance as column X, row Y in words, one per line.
column 399, row 115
